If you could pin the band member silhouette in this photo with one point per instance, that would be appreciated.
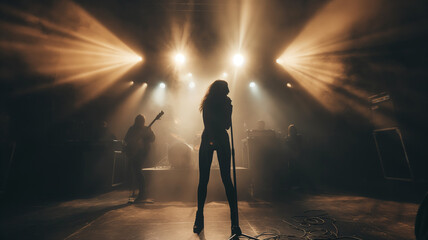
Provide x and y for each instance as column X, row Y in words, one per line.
column 216, row 111
column 138, row 140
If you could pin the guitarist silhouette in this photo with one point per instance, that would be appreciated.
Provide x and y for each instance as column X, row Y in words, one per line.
column 138, row 140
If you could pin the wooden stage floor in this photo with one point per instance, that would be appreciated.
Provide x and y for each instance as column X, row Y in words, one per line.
column 108, row 216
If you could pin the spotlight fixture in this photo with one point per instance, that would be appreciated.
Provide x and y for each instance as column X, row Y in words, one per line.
column 131, row 83
column 224, row 74
column 162, row 85
column 179, row 59
column 279, row 61
column 289, row 85
column 252, row 84
column 238, row 60
column 192, row 85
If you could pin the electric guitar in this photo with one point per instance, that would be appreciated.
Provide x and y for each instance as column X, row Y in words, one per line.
column 132, row 148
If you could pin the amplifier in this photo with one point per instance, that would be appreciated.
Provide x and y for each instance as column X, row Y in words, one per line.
column 392, row 154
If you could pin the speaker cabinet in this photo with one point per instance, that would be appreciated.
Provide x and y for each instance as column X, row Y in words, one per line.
column 392, row 154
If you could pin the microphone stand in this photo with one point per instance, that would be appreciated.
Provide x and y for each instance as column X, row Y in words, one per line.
column 236, row 236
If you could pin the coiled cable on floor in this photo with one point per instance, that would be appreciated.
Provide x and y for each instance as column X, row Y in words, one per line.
column 313, row 225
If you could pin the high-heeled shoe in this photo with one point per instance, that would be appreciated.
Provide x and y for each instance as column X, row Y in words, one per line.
column 199, row 223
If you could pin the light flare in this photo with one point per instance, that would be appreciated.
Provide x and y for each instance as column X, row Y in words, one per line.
column 316, row 57
column 125, row 113
column 71, row 45
column 238, row 60
column 179, row 59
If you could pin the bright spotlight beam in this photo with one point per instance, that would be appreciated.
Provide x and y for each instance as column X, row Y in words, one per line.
column 238, row 60
column 179, row 59
column 127, row 110
column 70, row 45
column 316, row 57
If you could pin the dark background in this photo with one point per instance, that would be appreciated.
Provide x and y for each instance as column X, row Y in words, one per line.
column 340, row 149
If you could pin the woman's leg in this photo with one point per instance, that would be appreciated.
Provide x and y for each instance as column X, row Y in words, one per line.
column 205, row 159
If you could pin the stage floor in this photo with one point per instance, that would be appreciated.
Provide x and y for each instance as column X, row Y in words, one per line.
column 108, row 216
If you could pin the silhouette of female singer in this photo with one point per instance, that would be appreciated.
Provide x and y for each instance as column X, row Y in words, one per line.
column 216, row 111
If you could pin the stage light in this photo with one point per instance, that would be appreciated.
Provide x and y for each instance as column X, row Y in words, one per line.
column 238, row 60
column 189, row 74
column 71, row 45
column 319, row 57
column 279, row 61
column 162, row 85
column 254, row 89
column 126, row 109
column 191, row 85
column 131, row 83
column 125, row 58
column 224, row 74
column 180, row 59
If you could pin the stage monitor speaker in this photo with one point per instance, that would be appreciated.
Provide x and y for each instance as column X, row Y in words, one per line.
column 392, row 154
column 119, row 169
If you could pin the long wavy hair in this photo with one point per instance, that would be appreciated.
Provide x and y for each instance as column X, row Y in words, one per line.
column 139, row 121
column 217, row 89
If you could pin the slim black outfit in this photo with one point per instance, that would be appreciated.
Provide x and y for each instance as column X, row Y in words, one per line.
column 216, row 114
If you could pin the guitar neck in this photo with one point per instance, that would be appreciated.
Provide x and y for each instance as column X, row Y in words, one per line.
column 154, row 120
